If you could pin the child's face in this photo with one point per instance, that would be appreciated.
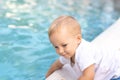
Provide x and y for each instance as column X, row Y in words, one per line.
column 65, row 43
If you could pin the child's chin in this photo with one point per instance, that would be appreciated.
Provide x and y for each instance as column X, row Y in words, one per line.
column 67, row 57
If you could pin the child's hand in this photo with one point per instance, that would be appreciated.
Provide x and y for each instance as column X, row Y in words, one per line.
column 63, row 79
column 48, row 74
column 55, row 66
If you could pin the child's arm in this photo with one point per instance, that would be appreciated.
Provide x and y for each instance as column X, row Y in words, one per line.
column 55, row 66
column 88, row 73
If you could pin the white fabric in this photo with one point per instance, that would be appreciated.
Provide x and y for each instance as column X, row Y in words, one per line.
column 107, row 62
column 63, row 74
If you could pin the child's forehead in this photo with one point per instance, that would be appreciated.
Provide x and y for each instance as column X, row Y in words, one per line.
column 61, row 38
column 64, row 30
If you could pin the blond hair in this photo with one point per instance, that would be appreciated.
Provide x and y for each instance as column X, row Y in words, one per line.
column 65, row 21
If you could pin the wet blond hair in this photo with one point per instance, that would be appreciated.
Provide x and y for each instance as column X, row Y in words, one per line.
column 68, row 22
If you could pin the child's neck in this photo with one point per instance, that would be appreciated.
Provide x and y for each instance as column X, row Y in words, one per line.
column 72, row 59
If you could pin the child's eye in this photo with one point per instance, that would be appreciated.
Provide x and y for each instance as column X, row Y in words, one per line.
column 56, row 47
column 64, row 45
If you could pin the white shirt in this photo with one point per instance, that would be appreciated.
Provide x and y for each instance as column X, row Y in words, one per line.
column 107, row 62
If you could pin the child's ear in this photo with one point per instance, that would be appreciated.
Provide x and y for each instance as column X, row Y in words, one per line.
column 79, row 37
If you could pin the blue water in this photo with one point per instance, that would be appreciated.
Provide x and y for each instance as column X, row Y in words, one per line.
column 25, row 50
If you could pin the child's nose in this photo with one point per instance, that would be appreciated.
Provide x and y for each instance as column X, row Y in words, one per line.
column 61, row 51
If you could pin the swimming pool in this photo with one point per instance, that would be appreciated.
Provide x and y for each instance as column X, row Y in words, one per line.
column 25, row 51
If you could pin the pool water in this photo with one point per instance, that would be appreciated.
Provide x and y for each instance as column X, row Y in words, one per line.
column 25, row 50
